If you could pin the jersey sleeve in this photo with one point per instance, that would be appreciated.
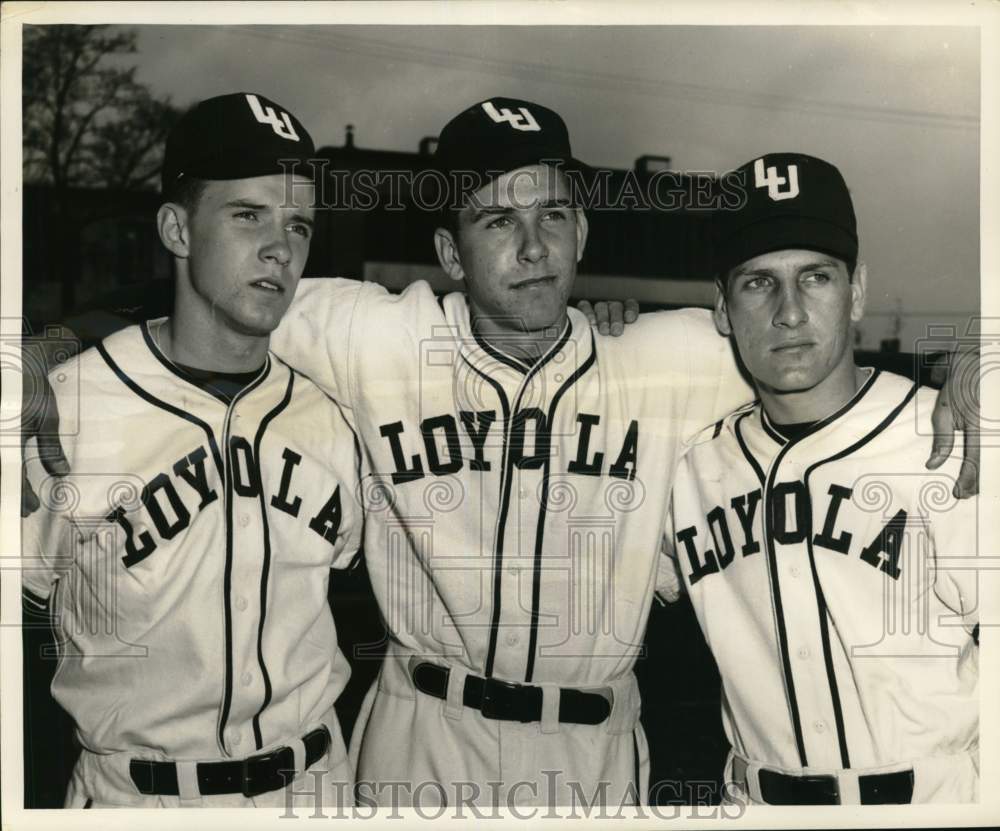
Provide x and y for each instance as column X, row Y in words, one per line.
column 350, row 548
column 717, row 385
column 314, row 337
column 965, row 576
column 669, row 581
column 47, row 535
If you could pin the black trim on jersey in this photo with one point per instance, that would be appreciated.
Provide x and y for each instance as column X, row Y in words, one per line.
column 746, row 450
column 521, row 366
column 38, row 603
column 717, row 430
column 536, row 576
column 356, row 558
column 266, row 569
column 776, row 607
column 497, row 552
column 183, row 373
column 775, row 436
column 227, row 576
column 640, row 799
column 820, row 598
column 163, row 405
column 506, row 480
column 768, row 486
column 173, row 369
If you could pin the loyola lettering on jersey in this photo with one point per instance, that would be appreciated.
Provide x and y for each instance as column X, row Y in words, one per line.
column 530, row 445
column 169, row 503
column 791, row 511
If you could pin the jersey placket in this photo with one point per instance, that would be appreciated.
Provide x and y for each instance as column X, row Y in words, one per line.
column 510, row 578
column 244, row 681
column 796, row 589
column 528, row 446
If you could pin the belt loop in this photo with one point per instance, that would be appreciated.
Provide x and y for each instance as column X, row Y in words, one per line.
column 550, row 708
column 624, row 705
column 299, row 752
column 187, row 780
column 454, row 703
column 753, row 783
column 848, row 787
column 734, row 783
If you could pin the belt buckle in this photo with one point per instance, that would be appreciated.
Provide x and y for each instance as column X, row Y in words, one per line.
column 495, row 704
column 265, row 772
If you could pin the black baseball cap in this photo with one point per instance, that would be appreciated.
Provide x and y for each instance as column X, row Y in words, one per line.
column 236, row 136
column 498, row 135
column 786, row 200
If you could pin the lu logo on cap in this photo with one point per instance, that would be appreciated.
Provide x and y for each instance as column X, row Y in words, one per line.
column 773, row 182
column 266, row 115
column 522, row 120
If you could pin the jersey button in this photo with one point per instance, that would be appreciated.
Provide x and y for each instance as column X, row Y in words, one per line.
column 804, row 653
column 234, row 737
column 244, row 520
column 241, row 603
column 794, row 571
column 523, row 493
column 246, row 679
column 819, row 726
column 512, row 639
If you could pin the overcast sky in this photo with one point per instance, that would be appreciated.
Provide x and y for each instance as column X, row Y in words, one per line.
column 896, row 108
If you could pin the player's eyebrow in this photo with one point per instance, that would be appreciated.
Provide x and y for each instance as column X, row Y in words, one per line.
column 246, row 203
column 556, row 203
column 818, row 264
column 770, row 272
column 506, row 210
column 305, row 220
column 257, row 206
column 753, row 272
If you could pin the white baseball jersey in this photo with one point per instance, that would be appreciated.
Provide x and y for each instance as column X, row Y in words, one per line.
column 514, row 522
column 190, row 551
column 831, row 576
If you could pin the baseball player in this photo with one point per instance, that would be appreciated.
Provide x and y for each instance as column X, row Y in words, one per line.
column 520, row 467
column 823, row 561
column 186, row 559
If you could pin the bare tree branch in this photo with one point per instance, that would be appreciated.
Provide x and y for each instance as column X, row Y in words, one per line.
column 87, row 123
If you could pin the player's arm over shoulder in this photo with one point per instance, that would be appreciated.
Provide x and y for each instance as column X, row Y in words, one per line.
column 332, row 320
column 314, row 334
column 683, row 348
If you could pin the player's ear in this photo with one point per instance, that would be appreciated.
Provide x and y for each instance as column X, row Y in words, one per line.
column 447, row 251
column 859, row 292
column 581, row 232
column 720, row 312
column 172, row 224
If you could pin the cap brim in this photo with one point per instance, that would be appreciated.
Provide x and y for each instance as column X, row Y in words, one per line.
column 466, row 179
column 781, row 233
column 220, row 168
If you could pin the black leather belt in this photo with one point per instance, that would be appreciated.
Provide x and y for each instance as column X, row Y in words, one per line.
column 512, row 702
column 777, row 788
column 251, row 776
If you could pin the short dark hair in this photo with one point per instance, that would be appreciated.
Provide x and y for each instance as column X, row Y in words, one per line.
column 186, row 192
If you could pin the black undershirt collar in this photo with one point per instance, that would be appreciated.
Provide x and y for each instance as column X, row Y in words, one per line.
column 791, row 432
column 225, row 384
